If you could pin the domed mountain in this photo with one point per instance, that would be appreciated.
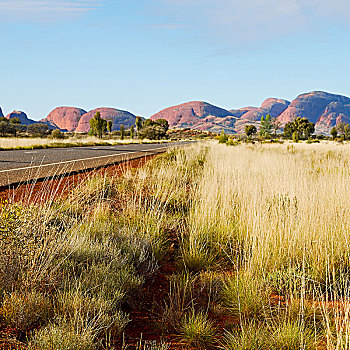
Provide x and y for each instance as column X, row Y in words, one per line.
column 65, row 118
column 272, row 106
column 117, row 116
column 312, row 106
column 335, row 113
column 197, row 115
column 23, row 118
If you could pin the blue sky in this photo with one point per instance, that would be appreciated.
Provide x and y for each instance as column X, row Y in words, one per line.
column 144, row 55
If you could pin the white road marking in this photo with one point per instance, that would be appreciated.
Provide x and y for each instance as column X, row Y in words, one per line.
column 79, row 160
column 31, row 152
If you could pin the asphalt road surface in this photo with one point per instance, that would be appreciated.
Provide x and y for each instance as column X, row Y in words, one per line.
column 24, row 165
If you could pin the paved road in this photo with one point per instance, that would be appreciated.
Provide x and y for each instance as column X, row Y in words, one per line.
column 24, row 165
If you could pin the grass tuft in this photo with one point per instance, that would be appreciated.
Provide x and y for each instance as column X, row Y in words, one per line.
column 197, row 330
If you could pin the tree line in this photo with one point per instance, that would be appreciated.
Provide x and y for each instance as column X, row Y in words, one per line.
column 297, row 129
column 13, row 127
column 142, row 129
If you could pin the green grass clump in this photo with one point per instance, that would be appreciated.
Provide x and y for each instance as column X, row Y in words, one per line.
column 245, row 295
column 292, row 336
column 250, row 337
column 197, row 330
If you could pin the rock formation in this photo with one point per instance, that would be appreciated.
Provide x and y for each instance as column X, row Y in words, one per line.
column 117, row 116
column 324, row 109
column 272, row 106
column 197, row 115
column 21, row 116
column 311, row 105
column 65, row 118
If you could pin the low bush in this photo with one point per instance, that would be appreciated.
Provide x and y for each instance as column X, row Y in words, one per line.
column 232, row 142
column 292, row 336
column 23, row 311
column 250, row 337
column 61, row 337
column 197, row 330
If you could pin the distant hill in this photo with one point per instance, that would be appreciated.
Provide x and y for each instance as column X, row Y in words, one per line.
column 23, row 118
column 272, row 106
column 322, row 108
column 65, row 118
column 198, row 115
column 118, row 117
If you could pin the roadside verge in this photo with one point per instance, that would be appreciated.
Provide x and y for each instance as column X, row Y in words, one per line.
column 12, row 177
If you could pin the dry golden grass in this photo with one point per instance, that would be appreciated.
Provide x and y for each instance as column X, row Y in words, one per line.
column 36, row 142
column 262, row 242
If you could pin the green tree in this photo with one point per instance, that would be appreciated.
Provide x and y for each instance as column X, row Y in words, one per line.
column 38, row 129
column 122, row 132
column 154, row 129
column 300, row 125
column 250, row 130
column 98, row 126
column 15, row 121
column 4, row 126
column 223, row 137
column 161, row 122
column 295, row 136
column 109, row 126
column 334, row 133
column 276, row 124
column 347, row 131
column 138, row 124
column 132, row 131
column 343, row 129
column 57, row 134
column 14, row 126
column 266, row 126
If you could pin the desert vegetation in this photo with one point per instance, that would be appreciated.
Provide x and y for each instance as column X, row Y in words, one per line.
column 205, row 247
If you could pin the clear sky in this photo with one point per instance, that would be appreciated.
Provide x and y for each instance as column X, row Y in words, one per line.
column 144, row 55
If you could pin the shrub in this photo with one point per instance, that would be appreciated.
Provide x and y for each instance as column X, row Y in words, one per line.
column 291, row 336
column 57, row 134
column 251, row 337
column 232, row 142
column 100, row 313
column 197, row 330
column 23, row 311
column 61, row 337
column 197, row 254
column 223, row 137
